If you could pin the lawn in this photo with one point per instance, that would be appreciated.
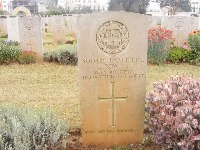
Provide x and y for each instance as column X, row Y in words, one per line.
column 56, row 87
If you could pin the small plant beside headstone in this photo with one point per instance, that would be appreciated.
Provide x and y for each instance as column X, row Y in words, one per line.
column 194, row 43
column 27, row 57
column 158, row 44
column 180, row 54
column 31, row 128
column 174, row 109
column 9, row 52
column 64, row 54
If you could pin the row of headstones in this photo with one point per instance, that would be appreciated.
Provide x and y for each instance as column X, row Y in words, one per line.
column 180, row 25
column 112, row 70
column 59, row 26
column 30, row 30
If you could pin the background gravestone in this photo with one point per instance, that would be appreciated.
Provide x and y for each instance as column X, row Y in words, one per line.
column 112, row 53
column 181, row 27
column 3, row 26
column 43, row 22
column 13, row 29
column 71, row 24
column 31, row 35
column 154, row 21
column 57, row 28
column 198, row 23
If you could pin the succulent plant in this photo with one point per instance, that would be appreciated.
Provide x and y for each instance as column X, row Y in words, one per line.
column 174, row 113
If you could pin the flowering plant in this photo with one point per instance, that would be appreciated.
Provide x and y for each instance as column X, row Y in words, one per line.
column 194, row 43
column 27, row 57
column 180, row 54
column 158, row 42
column 174, row 109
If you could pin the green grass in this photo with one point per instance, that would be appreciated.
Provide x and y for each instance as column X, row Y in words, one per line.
column 56, row 86
column 1, row 39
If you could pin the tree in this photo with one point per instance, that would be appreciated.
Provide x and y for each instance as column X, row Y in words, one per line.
column 55, row 11
column 48, row 3
column 138, row 6
column 175, row 5
column 83, row 10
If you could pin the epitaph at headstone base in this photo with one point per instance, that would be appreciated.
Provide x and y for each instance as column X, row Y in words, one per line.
column 112, row 72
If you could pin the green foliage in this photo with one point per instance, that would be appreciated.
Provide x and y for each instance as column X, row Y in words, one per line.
column 4, row 36
column 83, row 10
column 3, row 12
column 55, row 11
column 9, row 52
column 137, row 6
column 30, row 128
column 65, row 54
column 27, row 57
column 174, row 5
column 179, row 54
column 3, row 17
column 174, row 110
column 158, row 43
column 194, row 43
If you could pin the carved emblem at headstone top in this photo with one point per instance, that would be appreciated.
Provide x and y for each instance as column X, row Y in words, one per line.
column 112, row 37
column 58, row 20
column 28, row 23
column 179, row 23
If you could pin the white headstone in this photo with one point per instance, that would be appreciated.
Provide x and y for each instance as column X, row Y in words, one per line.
column 181, row 27
column 13, row 29
column 112, row 49
column 31, row 35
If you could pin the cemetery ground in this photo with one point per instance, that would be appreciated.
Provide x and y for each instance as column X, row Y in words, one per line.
column 56, row 87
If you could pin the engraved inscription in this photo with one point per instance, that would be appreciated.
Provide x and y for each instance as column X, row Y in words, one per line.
column 28, row 23
column 112, row 131
column 179, row 23
column 112, row 37
column 113, row 68
column 58, row 20
column 113, row 98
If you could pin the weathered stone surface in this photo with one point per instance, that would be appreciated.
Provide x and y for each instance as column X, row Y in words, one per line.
column 3, row 25
column 71, row 24
column 181, row 27
column 31, row 35
column 58, row 29
column 13, row 29
column 154, row 21
column 112, row 51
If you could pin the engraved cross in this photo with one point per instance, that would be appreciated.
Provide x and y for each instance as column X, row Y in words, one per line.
column 30, row 44
column 113, row 98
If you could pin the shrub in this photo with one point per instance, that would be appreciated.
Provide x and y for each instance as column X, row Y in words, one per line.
column 4, row 36
column 194, row 43
column 158, row 42
column 27, row 57
column 180, row 54
column 174, row 109
column 9, row 52
column 30, row 128
column 65, row 54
